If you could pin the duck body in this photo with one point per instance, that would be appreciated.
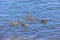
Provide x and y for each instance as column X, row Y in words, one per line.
column 14, row 23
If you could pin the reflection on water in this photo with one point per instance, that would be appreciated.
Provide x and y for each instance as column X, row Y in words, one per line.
column 12, row 10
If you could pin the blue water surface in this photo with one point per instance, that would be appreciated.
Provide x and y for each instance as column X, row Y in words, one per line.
column 13, row 10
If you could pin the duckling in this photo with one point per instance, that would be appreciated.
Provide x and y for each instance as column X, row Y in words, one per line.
column 24, row 25
column 29, row 17
column 20, row 20
column 43, row 21
column 14, row 23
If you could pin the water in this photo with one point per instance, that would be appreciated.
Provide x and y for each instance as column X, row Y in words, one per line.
column 12, row 10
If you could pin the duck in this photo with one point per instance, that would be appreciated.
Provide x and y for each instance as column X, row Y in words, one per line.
column 14, row 23
column 24, row 25
column 20, row 20
column 29, row 17
column 43, row 21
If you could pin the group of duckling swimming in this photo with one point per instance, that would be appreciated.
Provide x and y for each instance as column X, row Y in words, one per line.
column 29, row 18
column 20, row 21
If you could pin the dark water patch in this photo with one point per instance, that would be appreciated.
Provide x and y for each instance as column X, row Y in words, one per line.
column 53, row 8
column 38, row 36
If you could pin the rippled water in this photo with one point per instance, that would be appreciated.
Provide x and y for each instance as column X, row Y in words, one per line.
column 12, row 10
